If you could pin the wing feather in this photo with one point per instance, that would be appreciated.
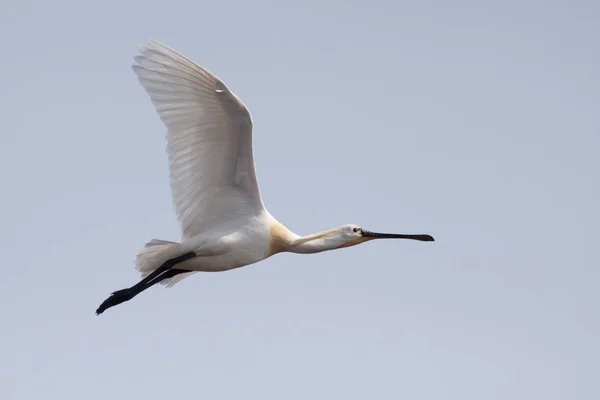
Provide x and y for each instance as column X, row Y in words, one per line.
column 209, row 139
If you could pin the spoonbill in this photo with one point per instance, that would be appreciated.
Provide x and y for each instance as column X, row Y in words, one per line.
column 224, row 223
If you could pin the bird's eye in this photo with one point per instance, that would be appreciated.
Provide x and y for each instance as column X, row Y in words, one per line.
column 355, row 229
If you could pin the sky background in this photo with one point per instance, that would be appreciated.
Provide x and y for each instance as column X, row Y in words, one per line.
column 475, row 121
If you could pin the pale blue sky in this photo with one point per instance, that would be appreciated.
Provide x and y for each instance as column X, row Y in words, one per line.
column 477, row 122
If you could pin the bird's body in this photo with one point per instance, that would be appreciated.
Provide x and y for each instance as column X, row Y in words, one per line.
column 224, row 222
column 245, row 241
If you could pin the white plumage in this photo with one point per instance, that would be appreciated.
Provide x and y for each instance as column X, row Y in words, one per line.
column 209, row 145
column 224, row 223
column 209, row 139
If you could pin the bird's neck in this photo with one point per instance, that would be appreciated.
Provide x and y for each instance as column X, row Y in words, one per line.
column 282, row 239
column 315, row 243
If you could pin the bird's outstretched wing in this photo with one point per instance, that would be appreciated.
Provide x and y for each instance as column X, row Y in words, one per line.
column 209, row 139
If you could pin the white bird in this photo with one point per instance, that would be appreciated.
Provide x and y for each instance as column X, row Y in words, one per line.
column 223, row 220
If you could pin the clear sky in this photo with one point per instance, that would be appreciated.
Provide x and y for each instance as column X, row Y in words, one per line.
column 475, row 121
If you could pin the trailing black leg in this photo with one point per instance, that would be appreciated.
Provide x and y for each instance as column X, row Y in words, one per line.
column 169, row 274
column 165, row 271
column 166, row 266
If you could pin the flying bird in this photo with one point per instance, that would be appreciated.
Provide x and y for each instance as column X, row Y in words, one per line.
column 224, row 223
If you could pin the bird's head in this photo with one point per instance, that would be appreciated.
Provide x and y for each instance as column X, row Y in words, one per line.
column 352, row 235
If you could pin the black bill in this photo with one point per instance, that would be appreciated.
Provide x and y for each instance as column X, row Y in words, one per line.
column 376, row 235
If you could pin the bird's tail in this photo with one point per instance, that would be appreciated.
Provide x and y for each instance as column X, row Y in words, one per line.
column 154, row 254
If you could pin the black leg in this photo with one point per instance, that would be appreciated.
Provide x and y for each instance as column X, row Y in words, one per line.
column 165, row 275
column 168, row 274
column 165, row 271
column 166, row 266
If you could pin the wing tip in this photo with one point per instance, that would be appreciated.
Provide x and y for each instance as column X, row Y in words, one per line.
column 152, row 44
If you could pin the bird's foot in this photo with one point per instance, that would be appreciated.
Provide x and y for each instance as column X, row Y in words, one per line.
column 116, row 298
